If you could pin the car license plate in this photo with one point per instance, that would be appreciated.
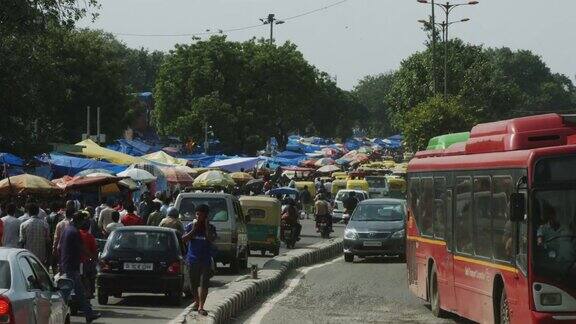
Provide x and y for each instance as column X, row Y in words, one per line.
column 138, row 266
column 372, row 243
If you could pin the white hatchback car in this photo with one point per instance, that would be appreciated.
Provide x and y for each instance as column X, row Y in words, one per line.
column 27, row 292
column 338, row 205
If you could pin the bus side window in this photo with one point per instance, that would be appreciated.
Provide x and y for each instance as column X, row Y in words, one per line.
column 427, row 207
column 502, row 228
column 463, row 227
column 440, row 208
column 414, row 196
column 482, row 216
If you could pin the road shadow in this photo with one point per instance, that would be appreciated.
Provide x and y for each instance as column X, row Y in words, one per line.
column 453, row 317
column 379, row 259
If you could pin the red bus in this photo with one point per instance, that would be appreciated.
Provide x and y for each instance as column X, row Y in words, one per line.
column 492, row 221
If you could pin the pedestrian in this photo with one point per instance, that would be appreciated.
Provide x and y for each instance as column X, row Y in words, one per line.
column 105, row 216
column 173, row 221
column 99, row 209
column 114, row 224
column 199, row 236
column 165, row 206
column 145, row 206
column 88, row 257
column 11, row 224
column 35, row 234
column 131, row 219
column 56, row 215
column 155, row 216
column 68, row 213
column 70, row 250
column 306, row 199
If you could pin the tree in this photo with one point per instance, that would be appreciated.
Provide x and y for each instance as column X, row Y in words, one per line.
column 248, row 92
column 434, row 117
column 371, row 92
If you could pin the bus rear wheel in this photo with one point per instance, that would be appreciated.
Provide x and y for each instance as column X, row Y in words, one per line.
column 504, row 316
column 434, row 294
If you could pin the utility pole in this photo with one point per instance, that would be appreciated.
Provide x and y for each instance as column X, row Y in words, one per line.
column 271, row 20
column 434, row 78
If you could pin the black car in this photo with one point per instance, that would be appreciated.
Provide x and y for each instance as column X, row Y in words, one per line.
column 141, row 259
column 376, row 228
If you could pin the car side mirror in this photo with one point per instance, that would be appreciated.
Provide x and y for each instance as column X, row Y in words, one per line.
column 517, row 207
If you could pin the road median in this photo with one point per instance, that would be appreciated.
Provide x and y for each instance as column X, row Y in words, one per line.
column 228, row 301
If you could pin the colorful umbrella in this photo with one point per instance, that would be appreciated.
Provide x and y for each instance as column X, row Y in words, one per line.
column 213, row 179
column 328, row 169
column 324, row 161
column 241, row 177
column 90, row 171
column 309, row 163
column 138, row 175
column 69, row 183
column 185, row 169
column 25, row 184
column 177, row 177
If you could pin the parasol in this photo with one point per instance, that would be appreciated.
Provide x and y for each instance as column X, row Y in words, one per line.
column 138, row 175
column 27, row 184
column 241, row 177
column 324, row 161
column 328, row 169
column 213, row 179
column 175, row 176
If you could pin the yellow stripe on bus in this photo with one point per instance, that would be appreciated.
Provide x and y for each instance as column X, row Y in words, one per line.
column 486, row 263
column 425, row 240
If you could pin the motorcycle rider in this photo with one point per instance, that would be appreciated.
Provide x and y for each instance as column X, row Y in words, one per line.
column 290, row 216
column 350, row 202
column 322, row 211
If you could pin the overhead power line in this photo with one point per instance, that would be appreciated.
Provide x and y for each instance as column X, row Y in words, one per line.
column 230, row 30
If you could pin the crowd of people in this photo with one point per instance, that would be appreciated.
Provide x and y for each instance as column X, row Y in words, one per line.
column 63, row 234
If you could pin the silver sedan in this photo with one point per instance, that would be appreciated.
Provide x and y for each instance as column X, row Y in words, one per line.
column 27, row 292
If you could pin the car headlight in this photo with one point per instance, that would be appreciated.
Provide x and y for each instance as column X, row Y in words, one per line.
column 350, row 234
column 551, row 299
column 399, row 234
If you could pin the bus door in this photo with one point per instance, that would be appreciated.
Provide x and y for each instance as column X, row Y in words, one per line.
column 449, row 298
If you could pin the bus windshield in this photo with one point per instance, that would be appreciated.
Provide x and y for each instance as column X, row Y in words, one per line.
column 555, row 233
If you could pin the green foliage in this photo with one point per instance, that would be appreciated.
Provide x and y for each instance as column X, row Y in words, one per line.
column 371, row 92
column 433, row 117
column 247, row 92
column 493, row 84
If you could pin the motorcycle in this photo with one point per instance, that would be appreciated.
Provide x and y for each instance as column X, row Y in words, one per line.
column 288, row 235
column 324, row 228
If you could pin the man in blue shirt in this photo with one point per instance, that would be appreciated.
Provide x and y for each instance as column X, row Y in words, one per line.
column 199, row 236
column 71, row 247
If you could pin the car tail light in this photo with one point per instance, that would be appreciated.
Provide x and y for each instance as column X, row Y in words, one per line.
column 105, row 266
column 174, row 268
column 6, row 315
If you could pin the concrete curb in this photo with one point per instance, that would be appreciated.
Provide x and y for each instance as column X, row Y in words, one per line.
column 237, row 296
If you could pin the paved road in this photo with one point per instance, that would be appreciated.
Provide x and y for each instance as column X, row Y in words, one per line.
column 155, row 309
column 368, row 291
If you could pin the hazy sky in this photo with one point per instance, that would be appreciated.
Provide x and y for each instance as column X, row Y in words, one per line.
column 355, row 38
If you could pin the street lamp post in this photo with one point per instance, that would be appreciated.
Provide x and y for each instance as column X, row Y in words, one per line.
column 433, row 48
column 271, row 20
column 444, row 25
column 447, row 7
column 207, row 130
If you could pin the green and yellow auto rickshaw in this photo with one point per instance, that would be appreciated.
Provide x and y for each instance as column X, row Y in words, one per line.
column 264, row 225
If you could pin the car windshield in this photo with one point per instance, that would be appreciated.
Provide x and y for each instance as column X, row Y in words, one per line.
column 141, row 242
column 218, row 208
column 383, row 212
column 376, row 182
column 555, row 233
column 5, row 278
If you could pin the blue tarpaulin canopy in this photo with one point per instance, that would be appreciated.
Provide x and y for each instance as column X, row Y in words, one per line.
column 236, row 164
column 62, row 165
column 11, row 159
column 133, row 147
